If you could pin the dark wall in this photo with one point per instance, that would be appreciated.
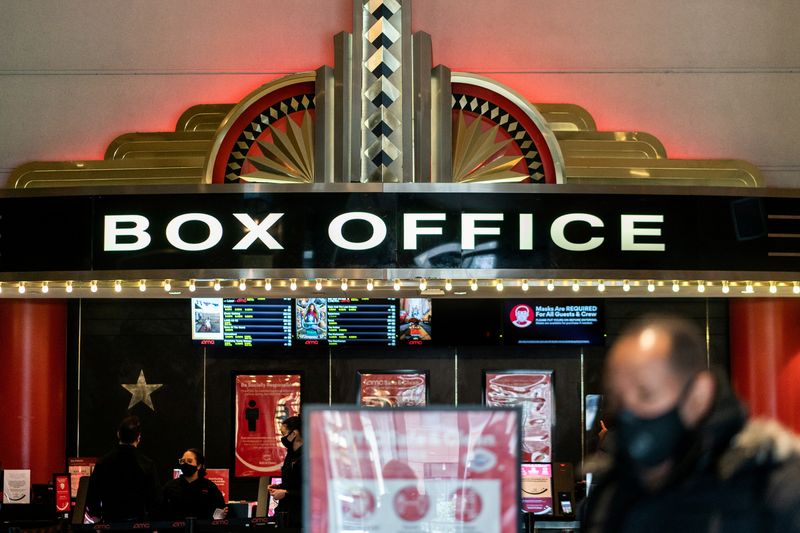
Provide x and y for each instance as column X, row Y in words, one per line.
column 113, row 340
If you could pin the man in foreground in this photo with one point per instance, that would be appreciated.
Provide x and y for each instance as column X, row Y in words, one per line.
column 683, row 456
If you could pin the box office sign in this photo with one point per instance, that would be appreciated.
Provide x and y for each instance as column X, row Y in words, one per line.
column 448, row 470
column 479, row 229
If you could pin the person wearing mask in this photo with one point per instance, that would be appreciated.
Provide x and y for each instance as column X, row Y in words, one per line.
column 124, row 484
column 289, row 493
column 685, row 457
column 191, row 494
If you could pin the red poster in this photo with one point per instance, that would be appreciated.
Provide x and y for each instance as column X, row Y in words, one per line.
column 61, row 484
column 393, row 389
column 220, row 478
column 262, row 403
column 79, row 467
column 441, row 470
column 533, row 392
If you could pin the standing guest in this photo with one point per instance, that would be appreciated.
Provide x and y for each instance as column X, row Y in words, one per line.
column 685, row 457
column 191, row 494
column 124, row 483
column 289, row 494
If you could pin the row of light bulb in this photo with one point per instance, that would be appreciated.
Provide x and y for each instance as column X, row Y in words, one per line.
column 499, row 285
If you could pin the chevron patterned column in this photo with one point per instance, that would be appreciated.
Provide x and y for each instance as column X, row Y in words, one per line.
column 383, row 31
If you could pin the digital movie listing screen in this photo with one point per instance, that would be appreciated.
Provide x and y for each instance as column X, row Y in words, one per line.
column 357, row 321
column 242, row 321
column 553, row 322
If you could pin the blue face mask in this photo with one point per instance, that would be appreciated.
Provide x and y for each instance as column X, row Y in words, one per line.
column 648, row 442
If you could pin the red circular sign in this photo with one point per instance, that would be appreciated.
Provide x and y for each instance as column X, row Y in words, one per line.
column 468, row 504
column 359, row 504
column 410, row 504
column 522, row 315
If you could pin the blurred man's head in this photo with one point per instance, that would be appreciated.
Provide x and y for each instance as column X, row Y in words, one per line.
column 129, row 431
column 657, row 380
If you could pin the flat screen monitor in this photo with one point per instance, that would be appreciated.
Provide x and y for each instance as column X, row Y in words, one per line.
column 242, row 322
column 273, row 503
column 362, row 321
column 537, row 488
column 414, row 321
column 468, row 322
column 553, row 322
column 311, row 320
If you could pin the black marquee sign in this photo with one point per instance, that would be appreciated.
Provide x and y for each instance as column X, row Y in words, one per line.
column 401, row 230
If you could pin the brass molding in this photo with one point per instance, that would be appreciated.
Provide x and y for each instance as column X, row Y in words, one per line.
column 616, row 144
column 566, row 117
column 203, row 117
column 179, row 171
column 159, row 145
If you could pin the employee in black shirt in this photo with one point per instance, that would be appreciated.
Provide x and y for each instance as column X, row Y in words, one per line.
column 289, row 493
column 124, row 483
column 191, row 494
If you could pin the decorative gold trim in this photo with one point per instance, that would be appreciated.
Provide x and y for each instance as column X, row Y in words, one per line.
column 613, row 144
column 180, row 171
column 478, row 157
column 159, row 145
column 203, row 117
column 566, row 117
column 289, row 157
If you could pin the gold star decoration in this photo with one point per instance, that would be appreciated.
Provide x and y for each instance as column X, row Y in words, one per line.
column 141, row 391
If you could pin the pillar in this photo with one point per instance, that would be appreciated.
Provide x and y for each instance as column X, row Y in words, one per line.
column 765, row 357
column 33, row 335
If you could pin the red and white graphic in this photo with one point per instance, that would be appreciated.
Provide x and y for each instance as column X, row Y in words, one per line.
column 79, row 467
column 61, row 484
column 410, row 504
column 532, row 391
column 393, row 389
column 537, row 488
column 262, row 403
column 522, row 315
column 400, row 457
column 359, row 504
column 467, row 503
column 220, row 478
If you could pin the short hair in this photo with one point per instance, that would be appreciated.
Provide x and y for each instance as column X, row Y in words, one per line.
column 687, row 350
column 293, row 423
column 129, row 429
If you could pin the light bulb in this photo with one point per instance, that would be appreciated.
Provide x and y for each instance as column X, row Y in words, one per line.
column 676, row 286
column 396, row 285
column 93, row 286
column 68, row 288
column 576, row 286
column 726, row 288
column 525, row 285
column 601, row 286
column 192, row 286
column 423, row 284
column 293, row 285
column 773, row 287
column 749, row 288
column 370, row 284
column 167, row 285
column 474, row 285
column 651, row 287
column 217, row 285
column 242, row 285
column 499, row 286
column 796, row 288
column 626, row 286
column 701, row 286
column 142, row 286
column 318, row 285
column 45, row 287
column 21, row 288
column 448, row 285
column 268, row 284
column 344, row 284
column 550, row 285
column 117, row 286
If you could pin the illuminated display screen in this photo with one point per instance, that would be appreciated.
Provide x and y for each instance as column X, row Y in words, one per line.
column 361, row 321
column 242, row 321
column 537, row 488
column 553, row 322
column 414, row 323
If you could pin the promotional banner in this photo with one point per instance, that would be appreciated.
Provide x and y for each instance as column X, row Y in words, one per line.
column 537, row 488
column 262, row 403
column 61, row 484
column 532, row 391
column 79, row 467
column 412, row 470
column 393, row 389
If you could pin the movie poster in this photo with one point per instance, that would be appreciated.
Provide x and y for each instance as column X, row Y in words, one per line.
column 393, row 389
column 62, row 493
column 414, row 470
column 79, row 467
column 262, row 403
column 532, row 391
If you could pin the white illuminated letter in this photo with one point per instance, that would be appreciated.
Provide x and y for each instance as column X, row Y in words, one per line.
column 560, row 224
column 411, row 230
column 629, row 231
column 112, row 230
column 378, row 231
column 174, row 232
column 258, row 231
column 469, row 231
column 526, row 231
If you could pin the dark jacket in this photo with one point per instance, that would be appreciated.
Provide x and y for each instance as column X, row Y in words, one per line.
column 292, row 483
column 124, row 486
column 738, row 476
column 197, row 499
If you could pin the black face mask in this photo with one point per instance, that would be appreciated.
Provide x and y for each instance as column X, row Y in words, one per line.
column 286, row 442
column 187, row 469
column 649, row 442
